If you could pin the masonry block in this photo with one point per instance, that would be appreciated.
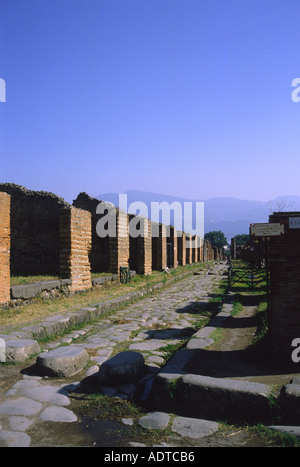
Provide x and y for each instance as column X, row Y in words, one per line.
column 181, row 246
column 140, row 242
column 75, row 244
column 159, row 246
column 119, row 244
column 189, row 248
column 4, row 247
column 109, row 251
column 172, row 250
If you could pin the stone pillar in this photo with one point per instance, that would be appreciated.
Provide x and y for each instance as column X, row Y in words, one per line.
column 109, row 251
column 140, row 257
column 189, row 250
column 173, row 250
column 181, row 247
column 233, row 248
column 75, row 245
column 4, row 247
column 119, row 245
column 159, row 246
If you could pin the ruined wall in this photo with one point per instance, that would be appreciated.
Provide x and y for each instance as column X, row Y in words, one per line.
column 172, row 251
column 4, row 248
column 189, row 250
column 99, row 253
column 140, row 253
column 181, row 247
column 119, row 245
column 34, row 230
column 112, row 251
column 75, row 244
column 284, row 264
column 159, row 247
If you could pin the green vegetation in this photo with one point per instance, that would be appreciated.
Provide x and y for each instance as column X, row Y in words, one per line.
column 241, row 239
column 216, row 238
column 271, row 438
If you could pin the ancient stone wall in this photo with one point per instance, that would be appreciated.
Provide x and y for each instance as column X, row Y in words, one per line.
column 111, row 251
column 172, row 252
column 284, row 264
column 140, row 253
column 75, row 244
column 34, row 230
column 4, row 247
column 119, row 244
column 181, row 247
column 189, row 249
column 159, row 247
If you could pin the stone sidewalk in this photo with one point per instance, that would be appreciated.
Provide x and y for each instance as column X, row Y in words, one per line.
column 153, row 326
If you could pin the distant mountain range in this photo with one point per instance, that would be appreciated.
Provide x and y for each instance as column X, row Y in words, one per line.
column 232, row 216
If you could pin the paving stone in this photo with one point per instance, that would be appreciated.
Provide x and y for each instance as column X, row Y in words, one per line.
column 50, row 394
column 128, row 421
column 26, row 383
column 193, row 428
column 92, row 370
column 54, row 413
column 152, row 344
column 196, row 344
column 21, row 406
column 15, row 439
column 19, row 423
column 155, row 421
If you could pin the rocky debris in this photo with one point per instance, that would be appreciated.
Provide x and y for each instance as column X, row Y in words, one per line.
column 63, row 361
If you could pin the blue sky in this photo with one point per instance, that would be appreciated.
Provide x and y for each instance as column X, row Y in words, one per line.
column 191, row 98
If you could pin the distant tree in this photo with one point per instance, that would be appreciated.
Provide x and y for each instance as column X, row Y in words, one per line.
column 241, row 239
column 216, row 238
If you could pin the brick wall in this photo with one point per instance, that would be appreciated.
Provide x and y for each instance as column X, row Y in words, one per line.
column 159, row 247
column 4, row 247
column 181, row 248
column 75, row 244
column 189, row 250
column 110, row 252
column 284, row 263
column 34, row 230
column 140, row 253
column 195, row 249
column 119, row 245
column 172, row 247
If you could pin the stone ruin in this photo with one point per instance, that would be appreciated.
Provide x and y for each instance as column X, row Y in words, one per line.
column 42, row 234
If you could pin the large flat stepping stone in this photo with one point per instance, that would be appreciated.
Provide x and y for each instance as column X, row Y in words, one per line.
column 125, row 367
column 18, row 350
column 63, row 361
column 194, row 428
column 22, row 406
column 58, row 414
column 155, row 421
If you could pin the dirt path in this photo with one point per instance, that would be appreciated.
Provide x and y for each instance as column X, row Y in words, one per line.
column 233, row 355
